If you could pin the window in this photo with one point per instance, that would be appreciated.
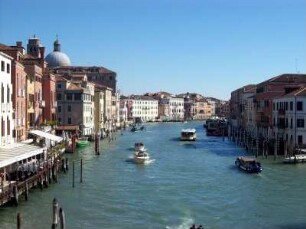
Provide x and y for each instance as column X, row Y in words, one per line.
column 2, row 66
column 59, row 120
column 69, row 108
column 69, row 120
column 8, row 68
column 2, row 93
column 300, row 123
column 8, row 126
column 300, row 139
column 78, row 96
column 59, row 85
column 59, row 109
column 291, row 106
column 8, row 94
column 299, row 106
column 59, row 96
column 69, row 96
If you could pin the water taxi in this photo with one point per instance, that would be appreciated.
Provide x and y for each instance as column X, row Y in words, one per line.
column 248, row 164
column 188, row 135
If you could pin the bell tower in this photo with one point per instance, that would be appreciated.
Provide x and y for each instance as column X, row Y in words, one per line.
column 33, row 47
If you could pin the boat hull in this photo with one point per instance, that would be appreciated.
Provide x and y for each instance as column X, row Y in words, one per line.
column 253, row 167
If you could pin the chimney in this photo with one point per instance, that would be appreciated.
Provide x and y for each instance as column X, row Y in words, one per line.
column 19, row 44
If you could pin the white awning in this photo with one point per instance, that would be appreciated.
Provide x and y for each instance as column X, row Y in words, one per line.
column 17, row 152
column 46, row 135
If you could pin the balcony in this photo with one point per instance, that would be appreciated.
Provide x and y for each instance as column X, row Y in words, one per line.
column 42, row 104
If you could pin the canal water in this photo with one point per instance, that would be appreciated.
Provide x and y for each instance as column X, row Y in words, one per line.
column 186, row 183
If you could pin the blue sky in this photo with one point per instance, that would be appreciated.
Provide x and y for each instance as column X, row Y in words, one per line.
column 210, row 47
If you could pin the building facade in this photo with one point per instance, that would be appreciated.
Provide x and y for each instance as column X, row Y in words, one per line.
column 6, row 105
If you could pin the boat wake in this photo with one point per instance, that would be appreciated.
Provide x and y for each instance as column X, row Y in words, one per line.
column 187, row 222
column 131, row 160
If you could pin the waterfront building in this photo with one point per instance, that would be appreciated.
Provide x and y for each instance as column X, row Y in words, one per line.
column 268, row 90
column 99, row 110
column 238, row 106
column 223, row 109
column 170, row 107
column 142, row 108
column 289, row 130
column 212, row 106
column 19, row 85
column 123, row 113
column 75, row 103
column 6, row 106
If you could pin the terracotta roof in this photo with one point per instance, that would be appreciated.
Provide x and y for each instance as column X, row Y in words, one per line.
column 286, row 78
column 268, row 95
column 5, row 47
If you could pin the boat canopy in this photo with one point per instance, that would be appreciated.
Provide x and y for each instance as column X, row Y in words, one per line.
column 247, row 159
column 188, row 130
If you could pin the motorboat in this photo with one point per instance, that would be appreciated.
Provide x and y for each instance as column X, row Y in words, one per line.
column 141, row 157
column 82, row 141
column 297, row 158
column 188, row 135
column 139, row 146
column 248, row 164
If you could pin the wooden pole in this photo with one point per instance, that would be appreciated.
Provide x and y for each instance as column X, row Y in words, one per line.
column 62, row 218
column 26, row 194
column 81, row 177
column 73, row 174
column 55, row 214
column 18, row 221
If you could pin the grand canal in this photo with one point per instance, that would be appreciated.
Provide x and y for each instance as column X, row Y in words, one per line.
column 186, row 183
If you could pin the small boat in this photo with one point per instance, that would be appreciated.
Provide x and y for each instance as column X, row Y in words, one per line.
column 82, row 141
column 141, row 157
column 139, row 146
column 298, row 158
column 248, row 164
column 134, row 129
column 188, row 135
column 142, row 128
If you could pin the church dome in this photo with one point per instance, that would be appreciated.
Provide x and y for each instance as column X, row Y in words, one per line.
column 57, row 58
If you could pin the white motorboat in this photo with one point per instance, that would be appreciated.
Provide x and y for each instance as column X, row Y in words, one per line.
column 141, row 157
column 298, row 158
column 188, row 135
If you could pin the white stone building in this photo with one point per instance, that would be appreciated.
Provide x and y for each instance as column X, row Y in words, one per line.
column 289, row 113
column 171, row 108
column 6, row 106
column 144, row 108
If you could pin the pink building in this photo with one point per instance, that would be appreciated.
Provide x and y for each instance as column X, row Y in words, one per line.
column 19, row 84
